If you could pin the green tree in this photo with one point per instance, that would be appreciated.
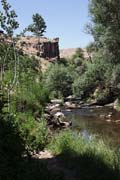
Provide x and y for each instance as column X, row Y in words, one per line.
column 93, row 77
column 78, row 54
column 38, row 26
column 8, row 19
column 90, row 49
column 105, row 28
column 59, row 80
column 105, row 15
column 9, row 24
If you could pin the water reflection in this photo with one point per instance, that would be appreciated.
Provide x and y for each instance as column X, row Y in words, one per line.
column 94, row 121
column 86, row 135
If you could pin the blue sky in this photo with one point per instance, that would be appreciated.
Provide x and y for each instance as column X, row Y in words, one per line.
column 65, row 19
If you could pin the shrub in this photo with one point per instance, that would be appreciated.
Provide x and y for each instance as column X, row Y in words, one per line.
column 78, row 54
column 32, row 132
column 115, row 80
column 31, row 100
column 59, row 79
column 11, row 146
column 89, row 80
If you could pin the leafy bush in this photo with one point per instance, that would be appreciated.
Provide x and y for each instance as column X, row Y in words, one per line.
column 11, row 144
column 59, row 80
column 78, row 54
column 115, row 80
column 32, row 132
column 31, row 100
column 89, row 80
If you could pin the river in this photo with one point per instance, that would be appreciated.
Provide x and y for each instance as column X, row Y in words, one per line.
column 95, row 121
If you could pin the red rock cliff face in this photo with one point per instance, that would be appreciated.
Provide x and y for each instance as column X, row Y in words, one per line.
column 44, row 48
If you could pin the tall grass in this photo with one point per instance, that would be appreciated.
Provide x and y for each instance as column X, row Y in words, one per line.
column 90, row 160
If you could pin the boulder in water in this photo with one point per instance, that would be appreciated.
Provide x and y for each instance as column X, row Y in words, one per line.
column 70, row 105
column 59, row 115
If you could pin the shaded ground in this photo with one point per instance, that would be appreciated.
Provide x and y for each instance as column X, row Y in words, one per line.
column 67, row 166
column 73, row 167
column 55, row 164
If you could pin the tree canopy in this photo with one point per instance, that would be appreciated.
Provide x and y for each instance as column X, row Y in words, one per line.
column 8, row 19
column 38, row 26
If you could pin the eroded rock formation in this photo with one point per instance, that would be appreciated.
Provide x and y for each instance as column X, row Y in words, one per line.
column 42, row 47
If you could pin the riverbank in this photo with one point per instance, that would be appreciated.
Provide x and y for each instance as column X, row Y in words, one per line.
column 57, row 109
column 86, row 160
column 69, row 156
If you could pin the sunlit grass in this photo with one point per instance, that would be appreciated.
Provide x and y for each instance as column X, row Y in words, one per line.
column 95, row 158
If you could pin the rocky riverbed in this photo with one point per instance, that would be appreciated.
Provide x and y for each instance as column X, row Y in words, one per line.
column 86, row 117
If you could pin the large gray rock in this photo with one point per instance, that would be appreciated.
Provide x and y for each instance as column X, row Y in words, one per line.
column 65, row 124
column 57, row 101
column 59, row 115
column 50, row 107
column 54, row 111
column 70, row 97
column 70, row 105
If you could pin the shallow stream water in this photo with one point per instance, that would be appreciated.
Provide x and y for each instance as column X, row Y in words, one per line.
column 95, row 121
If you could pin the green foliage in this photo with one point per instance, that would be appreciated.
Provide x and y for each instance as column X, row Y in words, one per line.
column 4, row 54
column 10, row 138
column 106, row 27
column 89, row 80
column 27, row 104
column 31, row 99
column 79, row 66
column 115, row 80
column 13, row 139
column 38, row 27
column 117, row 104
column 104, row 69
column 11, row 145
column 66, row 141
column 28, row 98
column 91, row 47
column 78, row 63
column 24, row 130
column 34, row 133
column 8, row 19
column 11, row 149
column 59, row 80
column 63, row 61
column 78, row 54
